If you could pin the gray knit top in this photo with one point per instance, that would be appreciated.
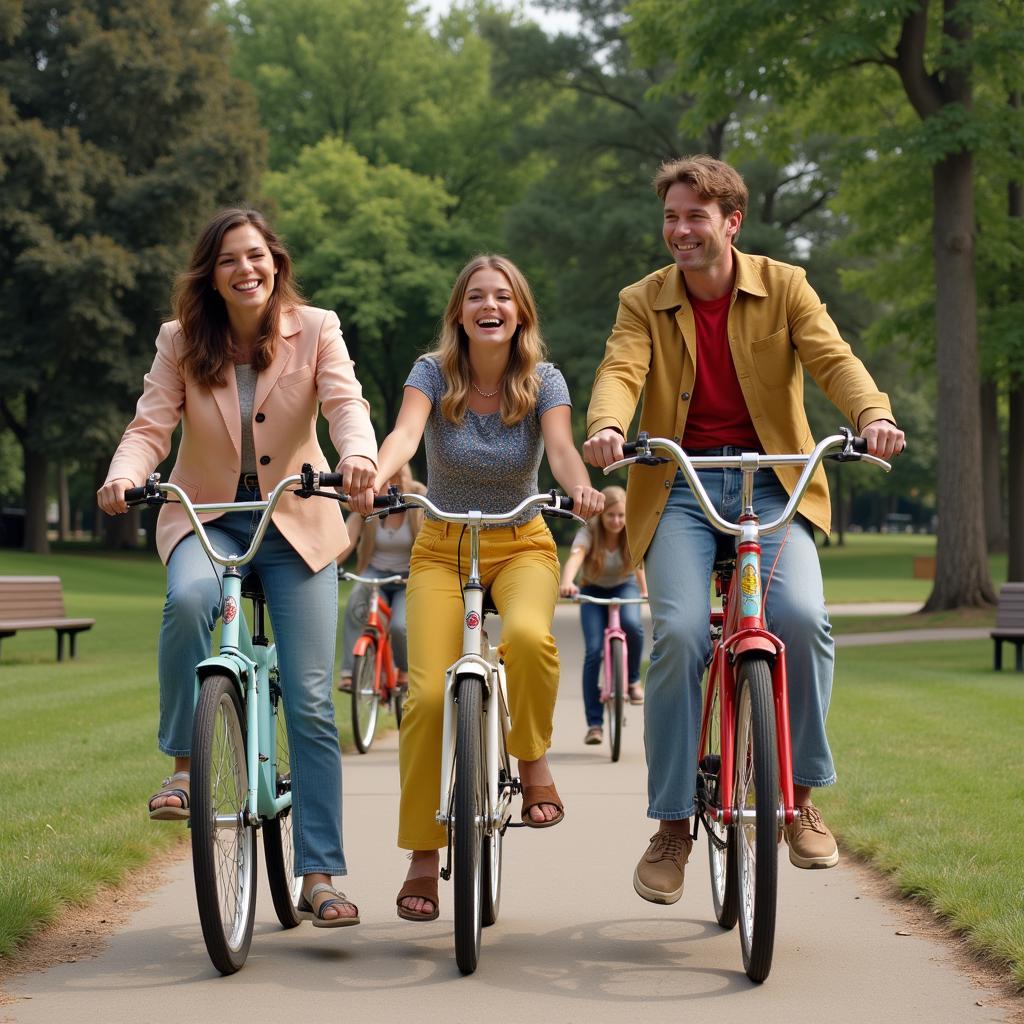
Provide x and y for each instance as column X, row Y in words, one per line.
column 482, row 464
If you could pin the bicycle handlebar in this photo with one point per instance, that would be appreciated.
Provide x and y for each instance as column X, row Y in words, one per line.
column 843, row 447
column 589, row 599
column 551, row 503
column 309, row 482
column 352, row 577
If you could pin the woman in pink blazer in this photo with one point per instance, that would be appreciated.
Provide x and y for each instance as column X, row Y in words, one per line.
column 244, row 367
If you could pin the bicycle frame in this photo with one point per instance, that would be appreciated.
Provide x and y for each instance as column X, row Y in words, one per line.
column 741, row 619
column 249, row 660
column 378, row 628
column 612, row 631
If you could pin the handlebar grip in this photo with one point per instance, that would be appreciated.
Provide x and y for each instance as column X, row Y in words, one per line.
column 134, row 494
column 630, row 447
column 330, row 480
column 564, row 502
column 859, row 445
column 382, row 501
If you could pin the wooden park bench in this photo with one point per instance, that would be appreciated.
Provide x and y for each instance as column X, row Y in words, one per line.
column 1010, row 624
column 36, row 602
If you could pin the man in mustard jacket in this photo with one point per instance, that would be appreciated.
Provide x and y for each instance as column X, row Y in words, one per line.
column 718, row 343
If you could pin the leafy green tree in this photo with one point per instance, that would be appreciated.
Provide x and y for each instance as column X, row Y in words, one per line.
column 376, row 245
column 120, row 130
column 912, row 69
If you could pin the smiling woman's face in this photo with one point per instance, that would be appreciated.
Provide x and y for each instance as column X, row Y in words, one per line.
column 489, row 311
column 244, row 271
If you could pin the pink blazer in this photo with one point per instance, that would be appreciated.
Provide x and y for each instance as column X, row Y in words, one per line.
column 312, row 367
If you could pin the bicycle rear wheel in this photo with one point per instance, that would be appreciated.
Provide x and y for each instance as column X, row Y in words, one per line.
column 757, row 800
column 278, row 841
column 615, row 703
column 721, row 838
column 365, row 699
column 490, row 883
column 223, row 846
column 470, row 808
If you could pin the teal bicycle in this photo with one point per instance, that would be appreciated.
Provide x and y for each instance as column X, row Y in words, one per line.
column 240, row 770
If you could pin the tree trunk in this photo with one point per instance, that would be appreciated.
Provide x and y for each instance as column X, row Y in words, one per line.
column 962, row 578
column 992, row 467
column 63, row 504
column 1015, row 483
column 36, row 492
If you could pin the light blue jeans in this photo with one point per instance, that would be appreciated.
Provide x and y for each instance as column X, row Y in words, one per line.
column 303, row 608
column 359, row 608
column 679, row 563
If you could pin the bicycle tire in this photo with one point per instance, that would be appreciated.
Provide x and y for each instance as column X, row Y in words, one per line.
column 469, row 805
column 617, row 653
column 365, row 698
column 721, row 838
column 278, row 840
column 757, row 787
column 491, row 850
column 398, row 695
column 223, row 858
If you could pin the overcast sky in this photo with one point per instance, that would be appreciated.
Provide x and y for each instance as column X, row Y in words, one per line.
column 551, row 22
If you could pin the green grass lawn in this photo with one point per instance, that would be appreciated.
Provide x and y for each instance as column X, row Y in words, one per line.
column 927, row 742
column 78, row 740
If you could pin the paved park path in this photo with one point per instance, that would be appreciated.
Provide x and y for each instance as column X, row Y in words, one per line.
column 573, row 943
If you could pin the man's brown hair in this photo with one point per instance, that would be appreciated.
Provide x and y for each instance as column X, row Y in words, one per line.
column 711, row 179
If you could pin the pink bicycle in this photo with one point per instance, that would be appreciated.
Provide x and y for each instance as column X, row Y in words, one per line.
column 613, row 677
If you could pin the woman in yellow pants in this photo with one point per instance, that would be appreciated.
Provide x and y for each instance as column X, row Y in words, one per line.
column 488, row 407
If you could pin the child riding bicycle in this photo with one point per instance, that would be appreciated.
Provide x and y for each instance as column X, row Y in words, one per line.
column 601, row 550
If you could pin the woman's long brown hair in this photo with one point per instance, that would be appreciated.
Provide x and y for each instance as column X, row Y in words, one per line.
column 593, row 562
column 201, row 313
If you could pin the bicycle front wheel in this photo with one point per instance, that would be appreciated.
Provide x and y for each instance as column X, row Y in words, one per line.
column 470, row 808
column 721, row 838
column 365, row 699
column 278, row 841
column 615, row 704
column 757, row 802
column 223, row 845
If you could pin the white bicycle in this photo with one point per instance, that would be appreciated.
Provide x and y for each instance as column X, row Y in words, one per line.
column 477, row 785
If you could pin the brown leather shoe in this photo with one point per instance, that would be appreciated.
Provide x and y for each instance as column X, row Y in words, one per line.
column 811, row 844
column 658, row 877
column 595, row 735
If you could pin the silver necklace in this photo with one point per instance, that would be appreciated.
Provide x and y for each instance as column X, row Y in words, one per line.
column 485, row 394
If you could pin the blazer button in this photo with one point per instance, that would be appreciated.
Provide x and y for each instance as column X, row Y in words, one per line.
column 685, row 396
column 264, row 460
column 668, row 483
column 259, row 417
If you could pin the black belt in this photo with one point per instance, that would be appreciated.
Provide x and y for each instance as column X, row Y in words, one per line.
column 249, row 482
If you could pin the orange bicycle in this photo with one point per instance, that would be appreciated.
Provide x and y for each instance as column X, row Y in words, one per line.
column 374, row 674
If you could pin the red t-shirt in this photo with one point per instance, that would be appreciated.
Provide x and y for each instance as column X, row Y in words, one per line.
column 718, row 412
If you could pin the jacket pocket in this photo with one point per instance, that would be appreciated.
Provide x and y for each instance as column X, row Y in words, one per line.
column 288, row 380
column 774, row 359
column 190, row 488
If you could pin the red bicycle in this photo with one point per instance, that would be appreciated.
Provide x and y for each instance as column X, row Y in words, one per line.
column 374, row 674
column 744, row 769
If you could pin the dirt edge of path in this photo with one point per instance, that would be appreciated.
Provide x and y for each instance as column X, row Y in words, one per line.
column 81, row 932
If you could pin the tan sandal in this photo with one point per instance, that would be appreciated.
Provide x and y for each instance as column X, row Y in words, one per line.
column 306, row 912
column 167, row 812
column 536, row 796
column 425, row 888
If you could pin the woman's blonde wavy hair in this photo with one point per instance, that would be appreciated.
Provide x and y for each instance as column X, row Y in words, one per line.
column 520, row 384
column 593, row 562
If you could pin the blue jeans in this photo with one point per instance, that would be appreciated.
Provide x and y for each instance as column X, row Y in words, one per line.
column 679, row 563
column 359, row 608
column 593, row 619
column 303, row 608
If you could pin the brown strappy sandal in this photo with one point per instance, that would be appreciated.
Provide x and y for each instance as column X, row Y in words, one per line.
column 425, row 888
column 534, row 796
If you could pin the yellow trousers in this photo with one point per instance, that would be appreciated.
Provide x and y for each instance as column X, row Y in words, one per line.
column 520, row 566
